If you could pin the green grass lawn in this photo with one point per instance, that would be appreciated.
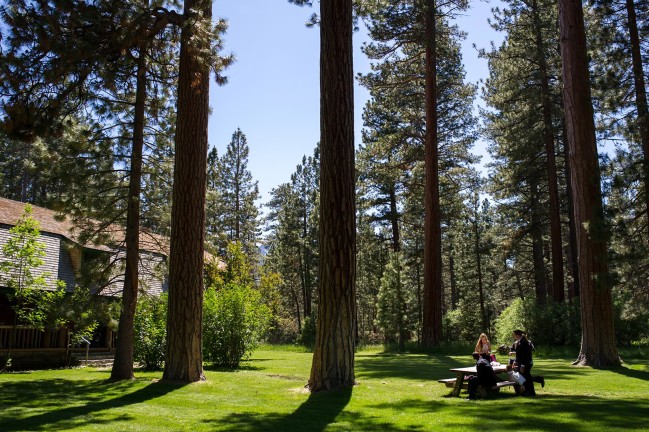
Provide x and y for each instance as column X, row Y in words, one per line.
column 395, row 392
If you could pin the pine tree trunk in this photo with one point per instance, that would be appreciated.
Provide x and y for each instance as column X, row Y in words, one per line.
column 640, row 96
column 401, row 307
column 573, row 262
column 184, row 359
column 333, row 357
column 432, row 319
column 451, row 269
column 557, row 287
column 540, row 286
column 598, row 336
column 296, row 300
column 123, row 363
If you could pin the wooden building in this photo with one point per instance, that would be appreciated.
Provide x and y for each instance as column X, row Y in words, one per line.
column 67, row 255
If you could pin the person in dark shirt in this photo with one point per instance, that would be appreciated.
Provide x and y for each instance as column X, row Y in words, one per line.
column 485, row 375
column 524, row 362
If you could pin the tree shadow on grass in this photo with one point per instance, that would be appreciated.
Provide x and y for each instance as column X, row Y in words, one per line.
column 314, row 415
column 410, row 366
column 89, row 398
column 631, row 373
column 242, row 367
column 560, row 413
column 512, row 413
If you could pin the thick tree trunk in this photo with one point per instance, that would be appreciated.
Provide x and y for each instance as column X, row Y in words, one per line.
column 123, row 363
column 333, row 357
column 557, row 291
column 598, row 336
column 432, row 322
column 573, row 262
column 640, row 95
column 184, row 359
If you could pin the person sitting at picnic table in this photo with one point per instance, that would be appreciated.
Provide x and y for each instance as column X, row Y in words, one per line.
column 485, row 375
column 483, row 346
column 524, row 362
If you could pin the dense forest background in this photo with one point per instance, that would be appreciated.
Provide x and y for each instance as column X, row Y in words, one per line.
column 508, row 235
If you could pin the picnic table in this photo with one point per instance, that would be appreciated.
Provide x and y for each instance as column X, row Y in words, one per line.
column 461, row 373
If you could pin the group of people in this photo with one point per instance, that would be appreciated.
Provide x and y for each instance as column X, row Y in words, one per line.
column 522, row 363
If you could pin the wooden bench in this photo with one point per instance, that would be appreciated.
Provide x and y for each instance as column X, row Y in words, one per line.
column 450, row 382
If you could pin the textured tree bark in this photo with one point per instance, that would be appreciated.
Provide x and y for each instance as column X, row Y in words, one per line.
column 184, row 359
column 557, row 291
column 640, row 95
column 123, row 363
column 333, row 357
column 573, row 262
column 598, row 336
column 432, row 319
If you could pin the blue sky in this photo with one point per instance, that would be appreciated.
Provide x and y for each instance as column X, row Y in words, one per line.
column 273, row 88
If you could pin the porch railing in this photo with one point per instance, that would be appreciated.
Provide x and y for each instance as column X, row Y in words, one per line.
column 30, row 337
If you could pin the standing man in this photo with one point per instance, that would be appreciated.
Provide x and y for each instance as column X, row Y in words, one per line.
column 524, row 362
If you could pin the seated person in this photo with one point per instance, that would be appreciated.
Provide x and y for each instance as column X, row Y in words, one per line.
column 483, row 346
column 485, row 374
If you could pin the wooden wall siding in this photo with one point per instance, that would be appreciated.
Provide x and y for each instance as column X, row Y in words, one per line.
column 51, row 258
column 66, row 268
column 59, row 264
column 152, row 271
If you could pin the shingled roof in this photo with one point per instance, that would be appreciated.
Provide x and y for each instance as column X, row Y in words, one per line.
column 56, row 223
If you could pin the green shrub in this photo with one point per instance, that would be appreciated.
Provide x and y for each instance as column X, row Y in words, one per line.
column 463, row 324
column 554, row 324
column 513, row 317
column 631, row 322
column 307, row 335
column 234, row 320
column 151, row 331
column 282, row 330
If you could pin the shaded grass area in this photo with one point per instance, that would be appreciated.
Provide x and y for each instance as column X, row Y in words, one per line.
column 395, row 393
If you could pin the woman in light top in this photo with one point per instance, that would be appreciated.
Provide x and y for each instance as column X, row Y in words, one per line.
column 483, row 346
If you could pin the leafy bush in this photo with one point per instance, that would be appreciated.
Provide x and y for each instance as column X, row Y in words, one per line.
column 512, row 318
column 282, row 330
column 553, row 324
column 462, row 324
column 151, row 331
column 307, row 335
column 234, row 319
column 631, row 321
